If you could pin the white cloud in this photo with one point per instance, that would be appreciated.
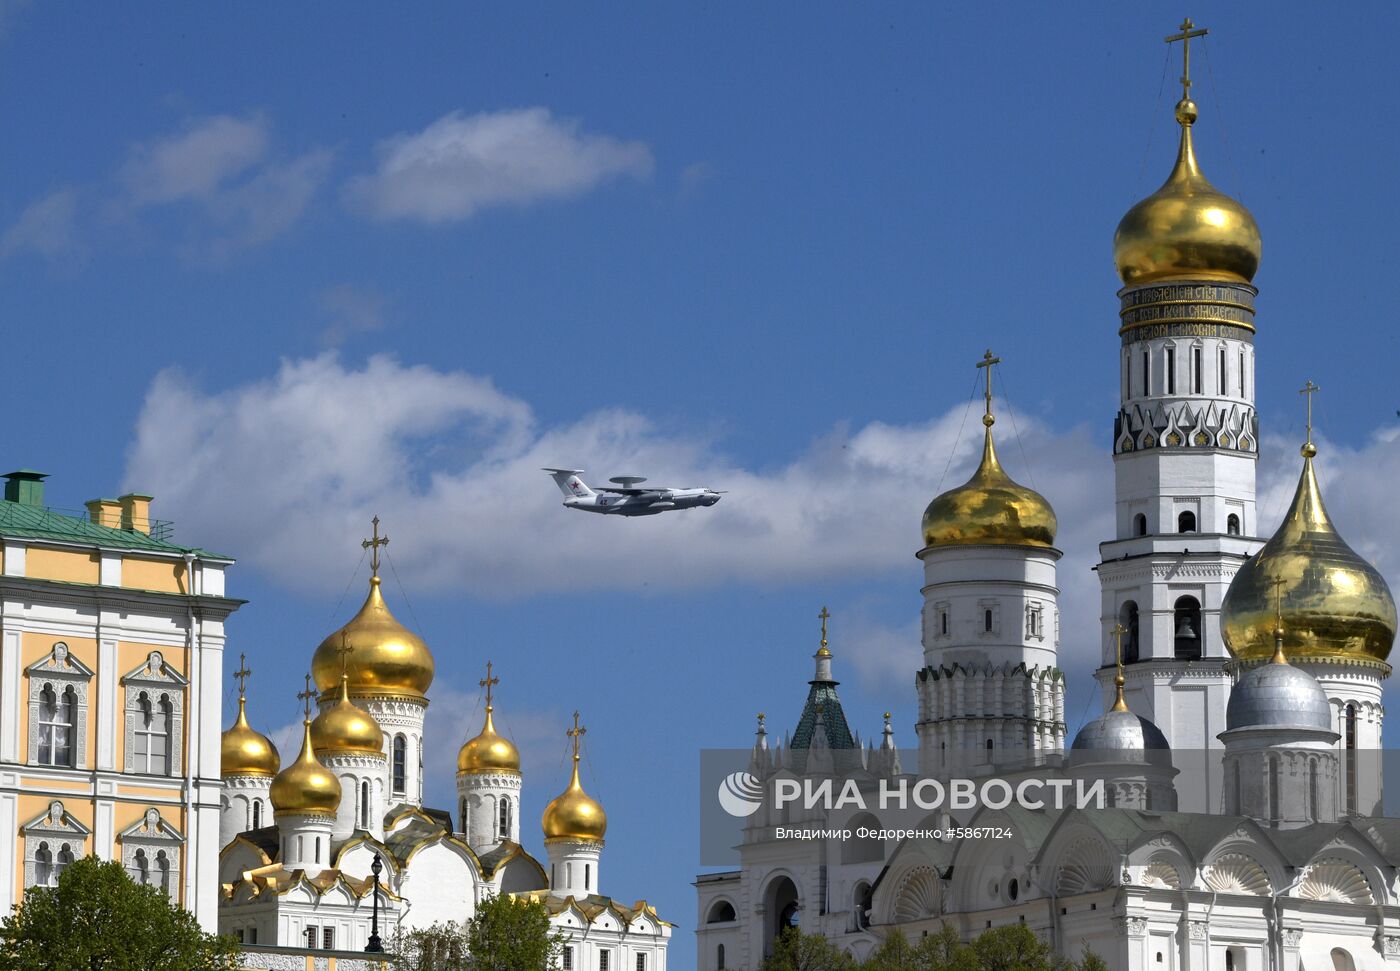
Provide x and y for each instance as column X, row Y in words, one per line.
column 196, row 162
column 285, row 472
column 462, row 163
column 223, row 167
column 45, row 227
column 350, row 310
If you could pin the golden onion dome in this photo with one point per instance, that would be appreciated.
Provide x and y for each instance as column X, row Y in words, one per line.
column 1333, row 603
column 1187, row 229
column 488, row 752
column 574, row 814
column 389, row 659
column 989, row 509
column 244, row 751
column 344, row 728
column 306, row 786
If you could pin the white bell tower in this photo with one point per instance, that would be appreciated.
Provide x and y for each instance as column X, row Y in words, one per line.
column 1185, row 447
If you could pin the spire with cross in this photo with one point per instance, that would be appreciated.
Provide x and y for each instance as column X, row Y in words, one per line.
column 576, row 736
column 373, row 544
column 242, row 675
column 1188, row 31
column 1120, row 703
column 305, row 698
column 1278, row 584
column 824, row 616
column 988, row 361
column 488, row 683
column 1307, row 391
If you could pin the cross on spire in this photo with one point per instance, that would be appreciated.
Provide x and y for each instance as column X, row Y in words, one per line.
column 1307, row 391
column 1120, row 703
column 987, row 361
column 488, row 682
column 305, row 698
column 1187, row 32
column 344, row 651
column 373, row 546
column 1277, row 583
column 825, row 615
column 576, row 735
column 242, row 674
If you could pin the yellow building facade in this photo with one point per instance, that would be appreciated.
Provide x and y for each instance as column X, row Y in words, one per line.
column 111, row 670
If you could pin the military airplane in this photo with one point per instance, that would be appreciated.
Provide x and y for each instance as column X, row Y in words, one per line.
column 627, row 499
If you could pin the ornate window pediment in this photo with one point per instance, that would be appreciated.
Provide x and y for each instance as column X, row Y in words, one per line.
column 58, row 709
column 52, row 841
column 151, row 850
column 155, row 715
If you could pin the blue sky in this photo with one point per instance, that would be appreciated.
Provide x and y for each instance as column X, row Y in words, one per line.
column 751, row 246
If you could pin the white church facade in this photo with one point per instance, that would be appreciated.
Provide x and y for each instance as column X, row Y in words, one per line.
column 1242, row 677
column 301, row 841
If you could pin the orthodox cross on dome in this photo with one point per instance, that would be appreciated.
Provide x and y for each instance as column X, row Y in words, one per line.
column 987, row 361
column 1187, row 32
column 825, row 615
column 1120, row 703
column 242, row 674
column 576, row 735
column 344, row 650
column 306, row 696
column 373, row 546
column 1307, row 391
column 488, row 683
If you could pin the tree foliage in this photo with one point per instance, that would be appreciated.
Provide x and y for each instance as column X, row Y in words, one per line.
column 505, row 934
column 97, row 919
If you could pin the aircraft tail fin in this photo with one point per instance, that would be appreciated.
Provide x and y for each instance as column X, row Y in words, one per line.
column 570, row 484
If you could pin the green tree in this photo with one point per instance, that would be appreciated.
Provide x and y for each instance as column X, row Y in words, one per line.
column 441, row 947
column 1091, row 961
column 1013, row 948
column 507, row 934
column 796, row 951
column 97, row 919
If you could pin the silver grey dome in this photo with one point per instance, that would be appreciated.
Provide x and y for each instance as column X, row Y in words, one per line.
column 1119, row 736
column 1278, row 696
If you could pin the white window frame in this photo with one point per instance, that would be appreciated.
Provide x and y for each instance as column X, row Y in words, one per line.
column 157, row 681
column 60, row 670
column 56, row 830
column 157, row 839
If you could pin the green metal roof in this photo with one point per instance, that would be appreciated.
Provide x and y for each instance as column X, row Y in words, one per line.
column 22, row 521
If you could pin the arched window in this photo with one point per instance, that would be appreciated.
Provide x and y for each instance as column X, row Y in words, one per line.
column 364, row 804
column 140, row 867
column 1313, row 812
column 719, row 958
column 163, row 871
column 400, row 782
column 587, row 876
column 943, row 622
column 1187, row 625
column 1341, row 960
column 987, row 620
column 504, row 818
column 1234, row 794
column 1232, row 524
column 58, row 724
column 152, row 736
column 257, row 814
column 1197, row 370
column 317, row 858
column 1128, row 617
column 1171, row 370
column 462, row 815
column 43, row 866
column 721, row 912
column 64, row 861
column 862, row 901
column 1140, row 524
column 1186, row 522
